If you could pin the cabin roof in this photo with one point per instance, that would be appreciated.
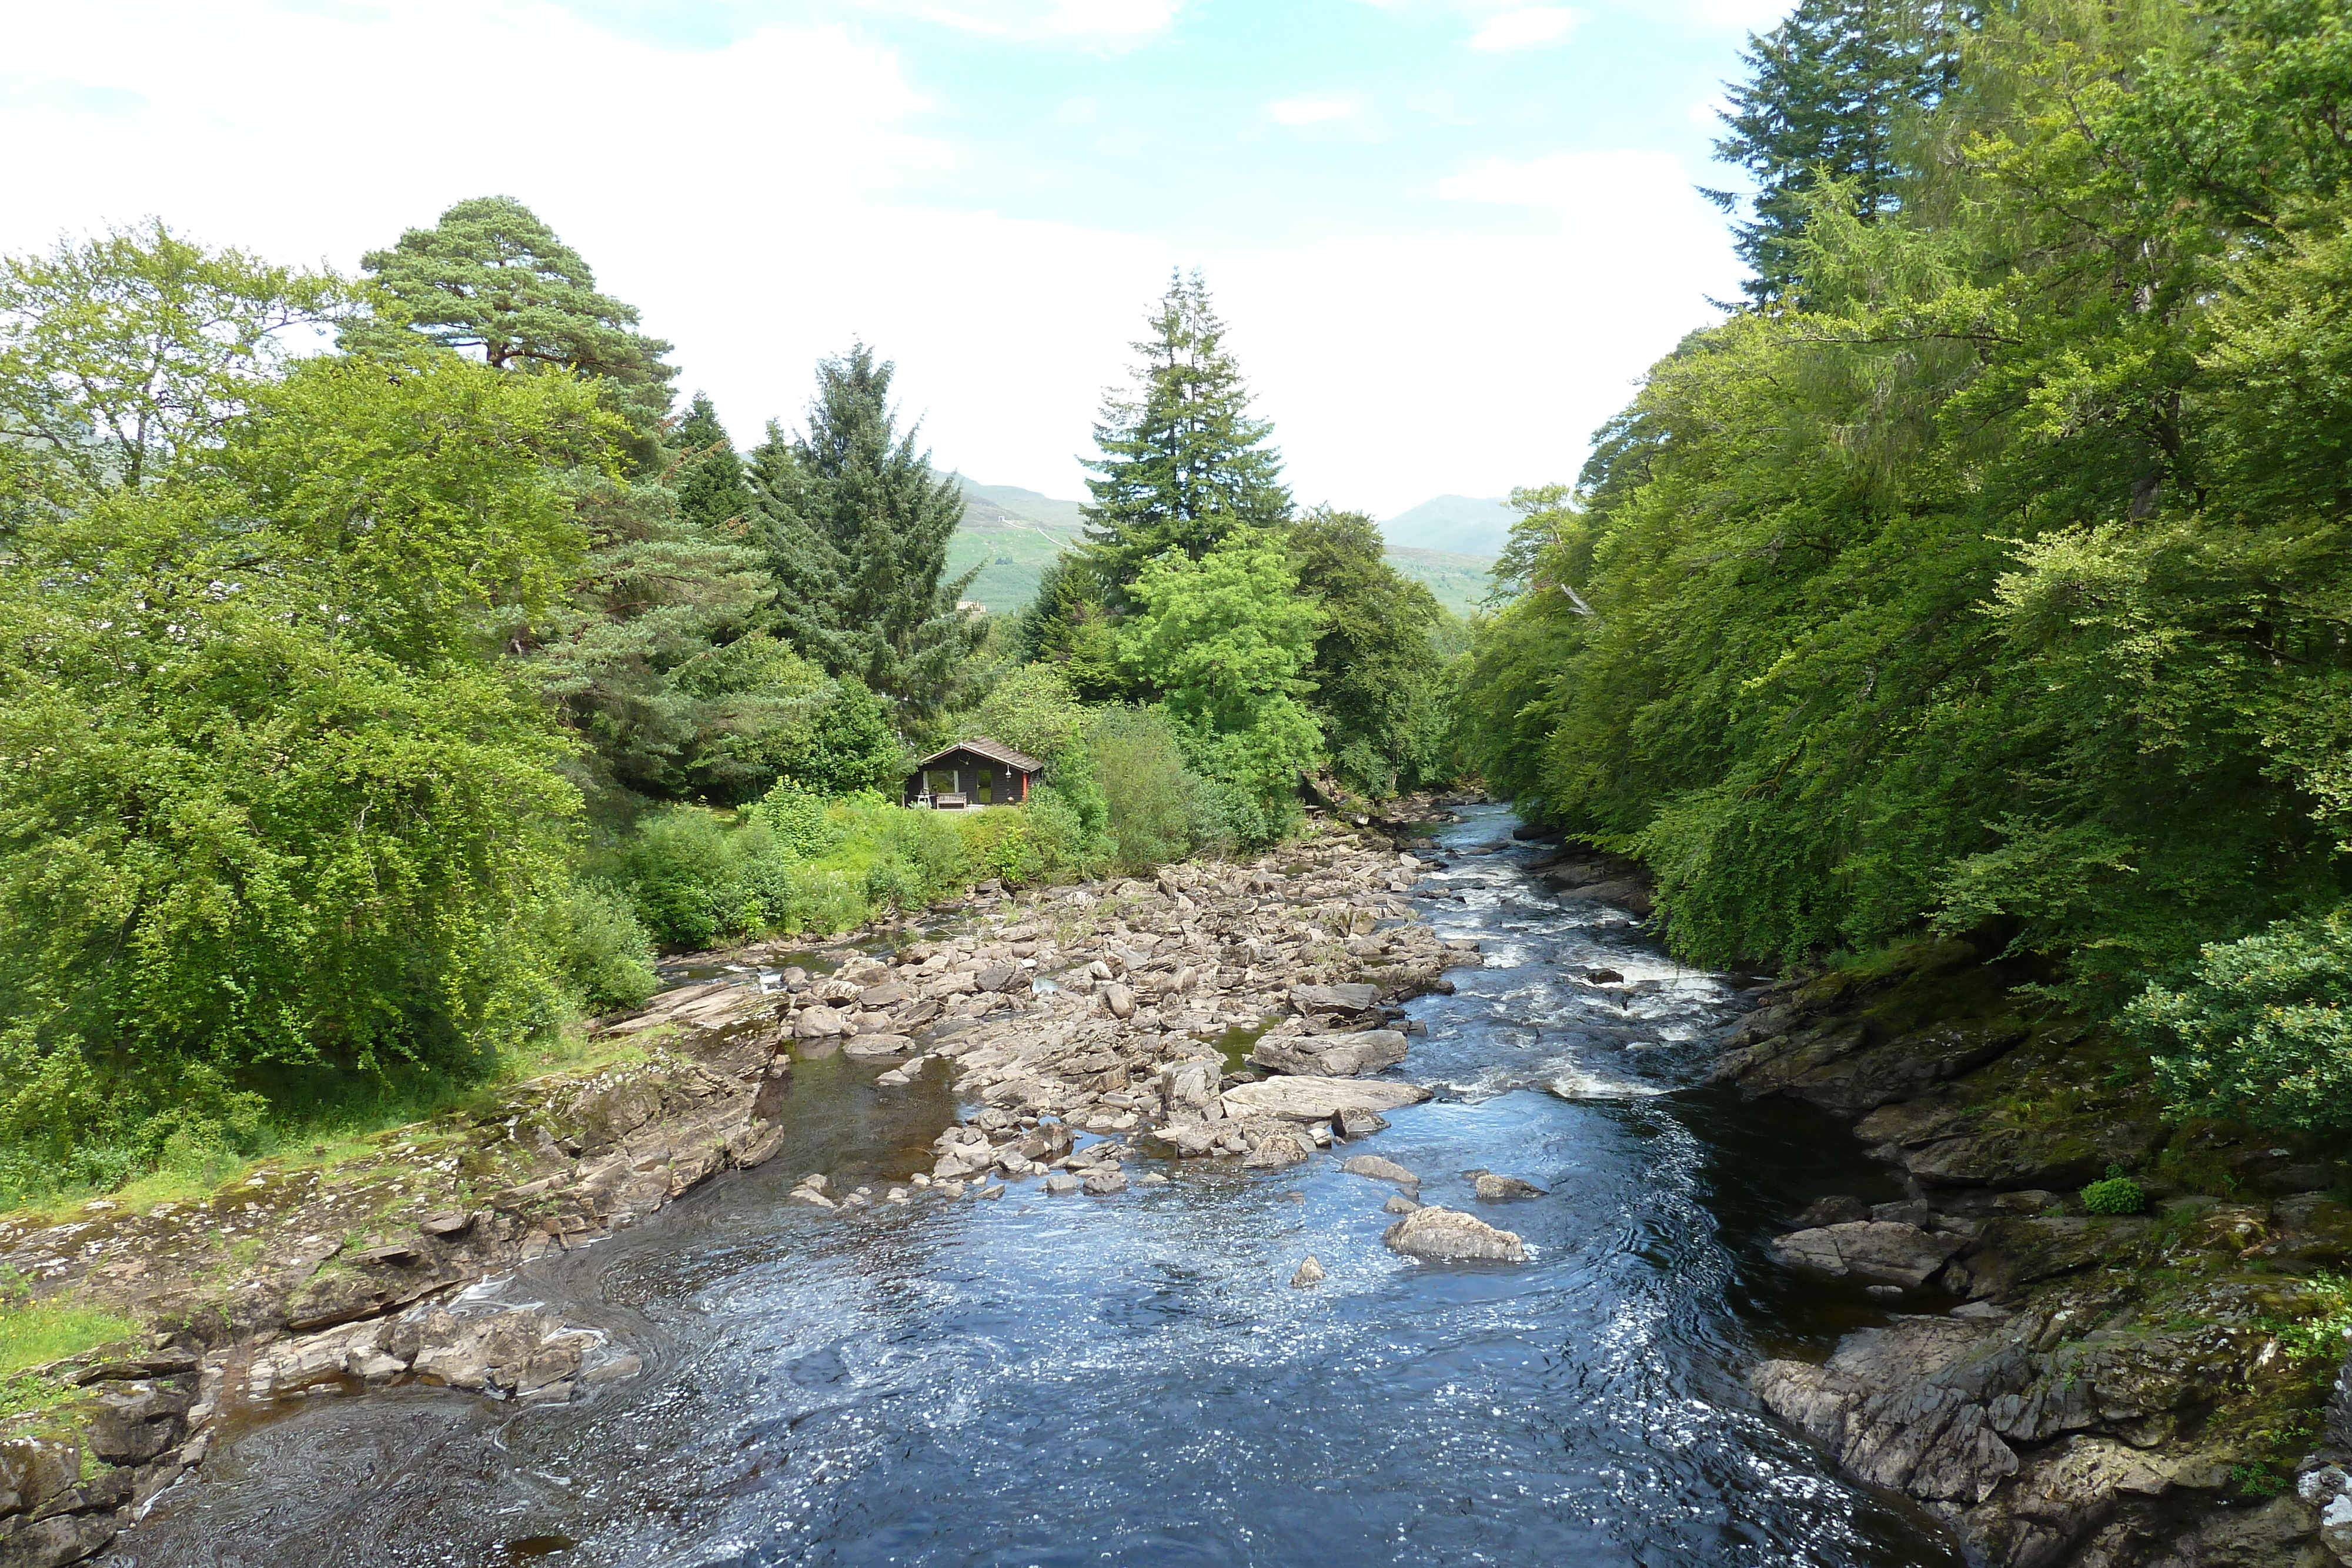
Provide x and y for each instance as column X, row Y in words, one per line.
column 981, row 745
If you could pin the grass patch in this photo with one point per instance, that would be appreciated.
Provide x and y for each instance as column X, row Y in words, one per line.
column 354, row 1129
column 33, row 1333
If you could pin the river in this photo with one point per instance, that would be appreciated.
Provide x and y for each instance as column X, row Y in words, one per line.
column 1045, row 1382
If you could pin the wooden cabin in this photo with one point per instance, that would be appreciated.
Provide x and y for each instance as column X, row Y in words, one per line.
column 977, row 772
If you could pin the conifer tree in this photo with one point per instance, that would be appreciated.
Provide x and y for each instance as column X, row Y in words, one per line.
column 1823, row 99
column 1182, row 462
column 709, row 478
column 856, row 525
column 491, row 278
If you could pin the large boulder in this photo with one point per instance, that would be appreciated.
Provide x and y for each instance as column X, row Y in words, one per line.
column 1331, row 1055
column 1334, row 1000
column 1379, row 1169
column 1449, row 1235
column 35, row 1470
column 1304, row 1099
column 877, row 1045
column 1836, row 1065
column 1886, row 1252
column 817, row 1022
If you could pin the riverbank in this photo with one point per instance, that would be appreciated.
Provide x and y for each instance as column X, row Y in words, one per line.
column 1099, row 1008
column 2060, row 1386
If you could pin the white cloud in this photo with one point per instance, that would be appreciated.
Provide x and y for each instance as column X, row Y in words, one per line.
column 1526, row 27
column 1627, row 183
column 1103, row 23
column 739, row 196
column 1313, row 110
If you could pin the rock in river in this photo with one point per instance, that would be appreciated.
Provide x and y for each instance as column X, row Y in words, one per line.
column 1379, row 1169
column 817, row 1022
column 1342, row 999
column 1879, row 1249
column 1446, row 1235
column 1331, row 1055
column 1309, row 1274
column 1501, row 1188
column 1305, row 1099
column 877, row 1044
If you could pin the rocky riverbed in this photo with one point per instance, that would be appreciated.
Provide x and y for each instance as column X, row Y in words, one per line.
column 1095, row 1009
column 1082, row 1127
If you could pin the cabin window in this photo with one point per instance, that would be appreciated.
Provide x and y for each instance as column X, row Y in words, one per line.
column 987, row 779
column 940, row 780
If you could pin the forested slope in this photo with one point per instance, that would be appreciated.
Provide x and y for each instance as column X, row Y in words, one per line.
column 1986, row 571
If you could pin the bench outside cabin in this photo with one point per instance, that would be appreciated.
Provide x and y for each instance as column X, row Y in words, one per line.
column 971, row 773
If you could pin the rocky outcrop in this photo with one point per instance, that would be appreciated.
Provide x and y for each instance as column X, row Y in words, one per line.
column 2124, row 1392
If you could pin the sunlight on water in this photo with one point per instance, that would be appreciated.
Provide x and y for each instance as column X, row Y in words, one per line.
column 1063, row 1381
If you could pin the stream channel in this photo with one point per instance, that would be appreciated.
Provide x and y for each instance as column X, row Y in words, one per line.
column 1046, row 1382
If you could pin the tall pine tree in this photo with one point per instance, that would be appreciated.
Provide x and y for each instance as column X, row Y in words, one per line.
column 1824, row 98
column 856, row 525
column 708, row 472
column 491, row 278
column 1182, row 462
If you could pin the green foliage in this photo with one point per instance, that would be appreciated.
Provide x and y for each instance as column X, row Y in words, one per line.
column 2117, row 1194
column 1069, row 624
column 653, row 658
column 1227, row 640
column 2261, row 1028
column 1828, row 94
column 35, row 1334
column 1376, row 672
column 269, row 801
column 708, row 473
column 1154, row 808
column 1033, row 710
column 490, row 278
column 855, row 526
column 122, row 355
column 600, row 948
column 1997, row 579
column 850, row 747
column 1182, row 462
column 798, row 862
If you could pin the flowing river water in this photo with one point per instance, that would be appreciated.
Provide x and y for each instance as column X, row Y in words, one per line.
column 1045, row 1382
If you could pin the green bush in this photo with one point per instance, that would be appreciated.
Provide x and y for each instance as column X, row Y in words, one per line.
column 601, row 948
column 2118, row 1193
column 1156, row 810
column 680, row 868
column 2262, row 1028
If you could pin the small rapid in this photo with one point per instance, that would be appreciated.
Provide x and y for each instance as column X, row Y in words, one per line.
column 1044, row 1382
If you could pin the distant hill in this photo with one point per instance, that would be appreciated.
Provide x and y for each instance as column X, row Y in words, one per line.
column 1459, row 581
column 1460, row 524
column 1012, row 534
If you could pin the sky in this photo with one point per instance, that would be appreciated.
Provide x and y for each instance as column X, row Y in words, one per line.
column 1447, row 235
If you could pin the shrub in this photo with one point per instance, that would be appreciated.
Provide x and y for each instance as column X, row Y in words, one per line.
column 2262, row 1029
column 679, row 869
column 2118, row 1193
column 1155, row 809
column 601, row 949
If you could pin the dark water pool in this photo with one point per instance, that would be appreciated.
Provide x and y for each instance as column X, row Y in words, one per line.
column 1132, row 1380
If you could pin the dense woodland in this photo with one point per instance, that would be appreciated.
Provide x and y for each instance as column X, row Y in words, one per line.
column 1986, row 572
column 391, row 664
